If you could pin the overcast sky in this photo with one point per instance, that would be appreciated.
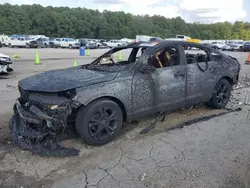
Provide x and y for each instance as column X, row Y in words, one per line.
column 205, row 11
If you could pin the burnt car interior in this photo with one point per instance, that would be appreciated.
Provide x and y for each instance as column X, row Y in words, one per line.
column 165, row 57
column 109, row 59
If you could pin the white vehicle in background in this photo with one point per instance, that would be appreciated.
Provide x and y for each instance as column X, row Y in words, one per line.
column 3, row 40
column 69, row 43
column 127, row 41
column 218, row 45
column 113, row 43
column 183, row 37
column 145, row 38
column 5, row 64
column 179, row 38
column 22, row 42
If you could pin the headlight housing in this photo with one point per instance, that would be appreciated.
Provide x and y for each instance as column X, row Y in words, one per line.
column 69, row 94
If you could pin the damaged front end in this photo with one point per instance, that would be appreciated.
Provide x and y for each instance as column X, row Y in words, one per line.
column 37, row 120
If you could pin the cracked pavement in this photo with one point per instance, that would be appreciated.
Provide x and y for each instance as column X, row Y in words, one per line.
column 211, row 154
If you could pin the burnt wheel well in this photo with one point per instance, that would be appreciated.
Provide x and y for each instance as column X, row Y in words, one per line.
column 230, row 80
column 121, row 105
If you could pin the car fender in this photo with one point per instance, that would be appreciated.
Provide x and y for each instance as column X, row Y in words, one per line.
column 88, row 94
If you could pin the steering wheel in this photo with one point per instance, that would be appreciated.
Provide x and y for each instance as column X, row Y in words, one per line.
column 111, row 59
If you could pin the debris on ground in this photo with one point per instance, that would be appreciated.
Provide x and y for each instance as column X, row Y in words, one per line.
column 143, row 176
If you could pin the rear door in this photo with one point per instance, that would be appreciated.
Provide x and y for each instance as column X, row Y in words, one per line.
column 202, row 73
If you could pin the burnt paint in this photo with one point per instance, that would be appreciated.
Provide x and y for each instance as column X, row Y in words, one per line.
column 65, row 79
column 140, row 92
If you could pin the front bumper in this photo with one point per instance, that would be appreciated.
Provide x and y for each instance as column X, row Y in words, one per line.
column 76, row 46
column 33, row 45
column 34, row 127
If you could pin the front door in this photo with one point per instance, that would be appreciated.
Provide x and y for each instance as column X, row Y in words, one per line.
column 162, row 89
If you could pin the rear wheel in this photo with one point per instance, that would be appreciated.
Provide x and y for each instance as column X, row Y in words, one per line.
column 221, row 94
column 99, row 122
column 70, row 46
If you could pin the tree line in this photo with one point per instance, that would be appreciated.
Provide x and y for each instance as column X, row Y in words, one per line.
column 87, row 23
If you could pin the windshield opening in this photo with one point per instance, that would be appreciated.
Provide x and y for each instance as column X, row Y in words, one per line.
column 116, row 59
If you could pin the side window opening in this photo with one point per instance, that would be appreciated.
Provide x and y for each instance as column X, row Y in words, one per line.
column 165, row 57
column 215, row 55
column 195, row 54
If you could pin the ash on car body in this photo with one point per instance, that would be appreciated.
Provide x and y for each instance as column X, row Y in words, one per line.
column 97, row 98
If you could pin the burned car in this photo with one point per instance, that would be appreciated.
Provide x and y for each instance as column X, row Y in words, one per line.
column 5, row 64
column 98, row 97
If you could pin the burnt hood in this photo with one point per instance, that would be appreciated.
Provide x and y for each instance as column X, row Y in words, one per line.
column 64, row 79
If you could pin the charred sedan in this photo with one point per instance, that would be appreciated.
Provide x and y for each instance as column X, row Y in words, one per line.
column 99, row 97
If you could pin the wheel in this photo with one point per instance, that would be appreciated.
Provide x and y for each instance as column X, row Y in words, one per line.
column 10, row 46
column 70, row 46
column 99, row 122
column 221, row 94
column 27, row 45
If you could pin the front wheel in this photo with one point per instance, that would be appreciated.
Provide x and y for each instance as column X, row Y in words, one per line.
column 99, row 122
column 221, row 94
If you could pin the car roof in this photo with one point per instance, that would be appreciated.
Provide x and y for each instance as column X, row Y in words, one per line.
column 161, row 43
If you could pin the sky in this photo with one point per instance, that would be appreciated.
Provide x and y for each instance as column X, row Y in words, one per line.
column 204, row 11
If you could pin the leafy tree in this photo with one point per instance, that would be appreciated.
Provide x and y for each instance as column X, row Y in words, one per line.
column 86, row 23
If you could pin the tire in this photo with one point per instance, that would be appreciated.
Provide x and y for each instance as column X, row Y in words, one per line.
column 221, row 94
column 70, row 46
column 92, row 112
column 10, row 46
column 27, row 45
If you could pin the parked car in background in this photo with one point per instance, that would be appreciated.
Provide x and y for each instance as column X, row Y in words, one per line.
column 4, row 39
column 226, row 47
column 56, row 43
column 22, row 42
column 5, row 64
column 208, row 45
column 87, row 43
column 65, row 43
column 238, row 46
column 42, row 42
column 113, row 43
column 246, row 46
column 127, row 40
column 69, row 43
column 217, row 45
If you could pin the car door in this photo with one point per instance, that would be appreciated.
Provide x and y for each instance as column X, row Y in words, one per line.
column 22, row 42
column 161, row 90
column 202, row 73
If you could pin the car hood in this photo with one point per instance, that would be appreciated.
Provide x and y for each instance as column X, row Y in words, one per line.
column 64, row 79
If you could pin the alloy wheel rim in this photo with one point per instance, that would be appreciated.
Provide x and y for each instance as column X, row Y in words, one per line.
column 103, row 123
column 222, row 94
